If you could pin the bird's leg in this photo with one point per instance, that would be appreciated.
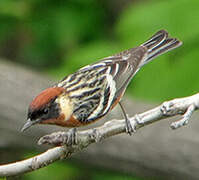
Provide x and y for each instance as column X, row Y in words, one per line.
column 129, row 127
column 72, row 137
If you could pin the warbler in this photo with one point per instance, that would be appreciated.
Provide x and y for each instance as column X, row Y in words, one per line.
column 91, row 92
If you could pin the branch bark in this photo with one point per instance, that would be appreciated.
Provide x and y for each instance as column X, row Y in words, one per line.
column 155, row 152
column 181, row 106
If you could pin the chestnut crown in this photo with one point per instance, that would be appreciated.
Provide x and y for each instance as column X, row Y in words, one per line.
column 43, row 107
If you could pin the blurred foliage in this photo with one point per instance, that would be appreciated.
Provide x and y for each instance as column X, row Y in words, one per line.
column 175, row 75
column 58, row 37
column 44, row 31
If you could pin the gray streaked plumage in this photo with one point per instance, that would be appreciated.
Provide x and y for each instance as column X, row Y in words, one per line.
column 95, row 88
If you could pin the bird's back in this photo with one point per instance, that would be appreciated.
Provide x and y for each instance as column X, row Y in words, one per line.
column 95, row 89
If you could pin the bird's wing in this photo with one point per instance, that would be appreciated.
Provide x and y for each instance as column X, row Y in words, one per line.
column 95, row 88
column 123, row 66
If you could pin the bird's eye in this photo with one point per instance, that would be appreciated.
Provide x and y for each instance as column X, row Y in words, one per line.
column 45, row 111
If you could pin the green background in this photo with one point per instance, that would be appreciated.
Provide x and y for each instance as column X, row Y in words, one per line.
column 58, row 37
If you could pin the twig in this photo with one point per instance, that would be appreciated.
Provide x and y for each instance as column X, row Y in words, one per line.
column 183, row 106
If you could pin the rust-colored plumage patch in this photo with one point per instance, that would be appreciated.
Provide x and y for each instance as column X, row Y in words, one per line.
column 60, row 121
column 73, row 122
column 117, row 100
column 45, row 96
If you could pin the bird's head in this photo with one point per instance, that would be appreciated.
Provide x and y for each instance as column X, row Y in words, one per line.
column 48, row 108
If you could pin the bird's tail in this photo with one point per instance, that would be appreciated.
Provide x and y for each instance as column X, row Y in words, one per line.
column 158, row 44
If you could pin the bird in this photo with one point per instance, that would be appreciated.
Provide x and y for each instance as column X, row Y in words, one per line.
column 93, row 91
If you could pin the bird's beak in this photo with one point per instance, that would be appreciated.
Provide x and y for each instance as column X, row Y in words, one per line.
column 28, row 124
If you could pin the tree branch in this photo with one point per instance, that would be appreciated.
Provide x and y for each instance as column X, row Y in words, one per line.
column 183, row 106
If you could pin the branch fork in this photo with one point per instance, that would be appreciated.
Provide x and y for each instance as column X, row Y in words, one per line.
column 185, row 106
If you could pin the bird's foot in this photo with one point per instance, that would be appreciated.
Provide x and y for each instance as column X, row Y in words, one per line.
column 72, row 137
column 131, row 125
column 130, row 128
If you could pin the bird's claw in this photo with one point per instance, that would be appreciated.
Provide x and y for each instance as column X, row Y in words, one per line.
column 131, row 125
column 130, row 128
column 72, row 137
column 96, row 135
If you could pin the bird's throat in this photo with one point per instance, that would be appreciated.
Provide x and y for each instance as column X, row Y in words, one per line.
column 66, row 107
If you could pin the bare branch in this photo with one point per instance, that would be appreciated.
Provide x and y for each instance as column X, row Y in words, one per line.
column 183, row 106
